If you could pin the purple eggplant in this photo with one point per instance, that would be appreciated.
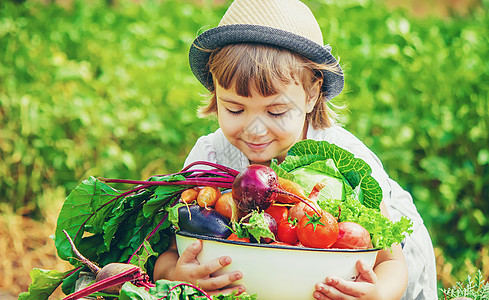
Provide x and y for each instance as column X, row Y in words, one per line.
column 206, row 221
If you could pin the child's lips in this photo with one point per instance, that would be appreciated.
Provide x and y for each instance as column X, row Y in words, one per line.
column 257, row 146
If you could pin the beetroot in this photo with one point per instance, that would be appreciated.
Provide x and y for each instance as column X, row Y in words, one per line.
column 257, row 233
column 110, row 278
column 272, row 225
column 113, row 269
column 257, row 187
column 352, row 236
column 254, row 188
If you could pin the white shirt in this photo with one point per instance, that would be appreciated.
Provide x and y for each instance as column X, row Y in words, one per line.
column 417, row 248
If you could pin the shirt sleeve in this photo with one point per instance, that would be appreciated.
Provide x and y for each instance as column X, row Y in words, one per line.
column 203, row 150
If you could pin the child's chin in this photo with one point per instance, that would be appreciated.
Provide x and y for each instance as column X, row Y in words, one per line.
column 259, row 160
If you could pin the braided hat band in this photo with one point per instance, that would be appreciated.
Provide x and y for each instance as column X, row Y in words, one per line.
column 287, row 24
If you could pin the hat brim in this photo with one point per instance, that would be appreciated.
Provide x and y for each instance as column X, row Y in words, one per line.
column 220, row 36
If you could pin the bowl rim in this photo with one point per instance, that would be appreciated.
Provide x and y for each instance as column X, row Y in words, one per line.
column 256, row 245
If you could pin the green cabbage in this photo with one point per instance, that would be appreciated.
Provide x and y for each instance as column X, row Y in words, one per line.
column 309, row 162
column 351, row 193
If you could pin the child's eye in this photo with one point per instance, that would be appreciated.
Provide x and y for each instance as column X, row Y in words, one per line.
column 277, row 114
column 234, row 112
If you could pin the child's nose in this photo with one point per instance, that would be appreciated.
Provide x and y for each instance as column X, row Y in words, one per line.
column 256, row 128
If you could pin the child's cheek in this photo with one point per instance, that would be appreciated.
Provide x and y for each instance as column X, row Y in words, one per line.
column 230, row 125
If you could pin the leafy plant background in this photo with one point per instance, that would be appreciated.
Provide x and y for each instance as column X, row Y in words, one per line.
column 98, row 89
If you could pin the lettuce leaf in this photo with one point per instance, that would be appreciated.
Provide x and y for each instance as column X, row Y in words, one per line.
column 383, row 232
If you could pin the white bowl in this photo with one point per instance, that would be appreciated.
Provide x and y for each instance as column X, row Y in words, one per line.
column 279, row 272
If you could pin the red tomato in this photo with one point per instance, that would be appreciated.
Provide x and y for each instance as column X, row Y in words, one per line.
column 278, row 212
column 318, row 232
column 287, row 233
column 234, row 237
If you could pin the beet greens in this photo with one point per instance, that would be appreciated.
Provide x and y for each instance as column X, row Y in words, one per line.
column 129, row 225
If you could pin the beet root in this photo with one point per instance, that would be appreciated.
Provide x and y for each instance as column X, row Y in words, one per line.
column 109, row 271
column 110, row 278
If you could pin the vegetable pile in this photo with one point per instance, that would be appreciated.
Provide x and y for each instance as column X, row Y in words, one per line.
column 319, row 197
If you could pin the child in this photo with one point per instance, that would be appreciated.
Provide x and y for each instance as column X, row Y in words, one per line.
column 270, row 78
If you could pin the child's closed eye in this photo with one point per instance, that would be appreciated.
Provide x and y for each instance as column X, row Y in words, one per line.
column 277, row 114
column 234, row 112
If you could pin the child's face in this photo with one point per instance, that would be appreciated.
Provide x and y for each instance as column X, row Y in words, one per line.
column 263, row 127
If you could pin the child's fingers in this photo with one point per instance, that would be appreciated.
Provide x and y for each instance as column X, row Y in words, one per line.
column 228, row 291
column 366, row 273
column 337, row 288
column 328, row 291
column 321, row 291
column 189, row 255
column 239, row 288
column 206, row 269
column 219, row 282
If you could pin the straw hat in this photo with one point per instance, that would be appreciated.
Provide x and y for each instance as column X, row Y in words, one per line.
column 288, row 24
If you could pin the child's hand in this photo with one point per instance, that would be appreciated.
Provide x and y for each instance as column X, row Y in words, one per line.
column 190, row 270
column 363, row 288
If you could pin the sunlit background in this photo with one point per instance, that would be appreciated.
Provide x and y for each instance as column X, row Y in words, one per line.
column 103, row 88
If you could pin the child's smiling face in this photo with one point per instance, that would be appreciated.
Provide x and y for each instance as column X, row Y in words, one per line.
column 264, row 127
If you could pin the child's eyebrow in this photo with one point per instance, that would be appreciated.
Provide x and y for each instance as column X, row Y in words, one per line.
column 230, row 101
column 274, row 104
column 285, row 104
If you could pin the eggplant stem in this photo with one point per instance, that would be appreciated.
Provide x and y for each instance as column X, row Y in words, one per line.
column 95, row 269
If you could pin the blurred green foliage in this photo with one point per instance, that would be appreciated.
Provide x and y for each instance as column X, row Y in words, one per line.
column 95, row 90
column 106, row 91
column 418, row 91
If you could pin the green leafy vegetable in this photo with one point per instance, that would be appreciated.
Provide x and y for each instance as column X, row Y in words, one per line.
column 128, row 226
column 351, row 193
column 143, row 255
column 384, row 233
column 322, row 161
column 116, row 224
column 43, row 284
column 256, row 226
column 233, row 296
column 111, row 226
column 173, row 290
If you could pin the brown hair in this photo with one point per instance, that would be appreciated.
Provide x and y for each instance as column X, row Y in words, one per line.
column 265, row 68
